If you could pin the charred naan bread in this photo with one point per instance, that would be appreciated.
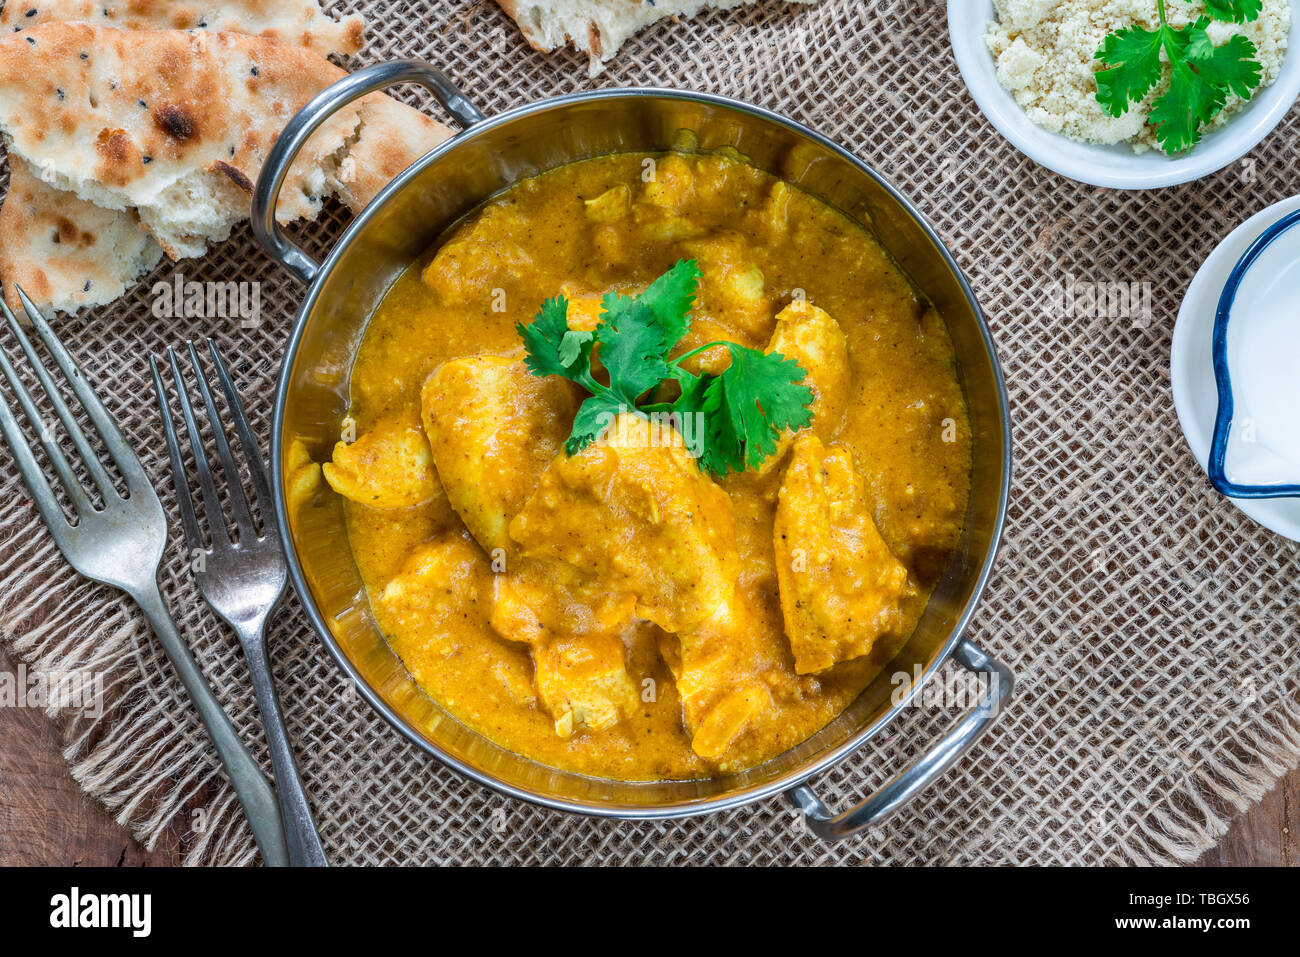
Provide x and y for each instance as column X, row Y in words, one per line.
column 388, row 137
column 67, row 253
column 297, row 22
column 172, row 124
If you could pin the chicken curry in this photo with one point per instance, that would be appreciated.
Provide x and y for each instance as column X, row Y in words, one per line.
column 616, row 609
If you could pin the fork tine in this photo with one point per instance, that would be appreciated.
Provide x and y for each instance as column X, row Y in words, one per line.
column 118, row 449
column 208, row 488
column 88, row 456
column 252, row 453
column 188, row 520
column 80, row 500
column 238, row 503
column 39, row 487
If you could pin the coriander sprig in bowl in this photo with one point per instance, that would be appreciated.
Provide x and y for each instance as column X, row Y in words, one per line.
column 1201, row 75
column 1199, row 127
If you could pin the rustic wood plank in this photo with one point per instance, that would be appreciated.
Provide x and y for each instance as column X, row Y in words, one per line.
column 1266, row 835
column 45, row 818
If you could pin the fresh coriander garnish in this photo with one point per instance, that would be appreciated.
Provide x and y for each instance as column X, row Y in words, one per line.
column 1202, row 75
column 743, row 409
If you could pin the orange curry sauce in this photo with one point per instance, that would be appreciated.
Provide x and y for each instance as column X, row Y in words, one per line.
column 889, row 450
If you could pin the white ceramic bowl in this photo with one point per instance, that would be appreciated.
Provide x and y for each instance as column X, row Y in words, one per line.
column 1191, row 361
column 1114, row 166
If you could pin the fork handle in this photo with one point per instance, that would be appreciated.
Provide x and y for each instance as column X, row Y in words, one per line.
column 300, row 832
column 250, row 784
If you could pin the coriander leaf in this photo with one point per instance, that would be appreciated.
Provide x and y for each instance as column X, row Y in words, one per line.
column 1234, row 11
column 690, row 401
column 574, row 345
column 1132, row 58
column 544, row 337
column 740, row 412
column 1232, row 66
column 632, row 349
column 762, row 396
column 1190, row 101
column 594, row 416
column 669, row 299
column 720, row 451
column 724, row 448
column 1194, row 41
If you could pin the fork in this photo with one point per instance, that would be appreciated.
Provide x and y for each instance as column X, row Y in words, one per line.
column 245, row 579
column 121, row 544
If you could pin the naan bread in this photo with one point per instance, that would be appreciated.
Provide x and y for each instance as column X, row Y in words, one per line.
column 599, row 27
column 392, row 136
column 67, row 253
column 173, row 124
column 297, row 22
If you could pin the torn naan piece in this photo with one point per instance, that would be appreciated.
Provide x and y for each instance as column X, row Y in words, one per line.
column 173, row 124
column 599, row 27
column 297, row 22
column 391, row 137
column 66, row 253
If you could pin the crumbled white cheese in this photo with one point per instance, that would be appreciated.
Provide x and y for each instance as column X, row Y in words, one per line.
column 1018, row 64
column 1044, row 51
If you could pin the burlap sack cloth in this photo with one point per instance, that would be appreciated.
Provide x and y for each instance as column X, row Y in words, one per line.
column 1150, row 625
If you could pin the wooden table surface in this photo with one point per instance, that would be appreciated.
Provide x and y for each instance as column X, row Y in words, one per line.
column 46, row 819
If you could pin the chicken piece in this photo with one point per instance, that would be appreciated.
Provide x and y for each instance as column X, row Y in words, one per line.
column 670, row 183
column 811, row 337
column 436, row 608
column 732, row 287
column 633, row 513
column 388, row 467
column 539, row 599
column 609, row 237
column 575, row 635
column 610, row 206
column 583, row 682
column 841, row 588
column 480, row 261
column 301, row 475
column 728, row 718
column 808, row 334
column 721, row 676
column 493, row 427
column 443, row 583
column 775, row 215
column 662, row 209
